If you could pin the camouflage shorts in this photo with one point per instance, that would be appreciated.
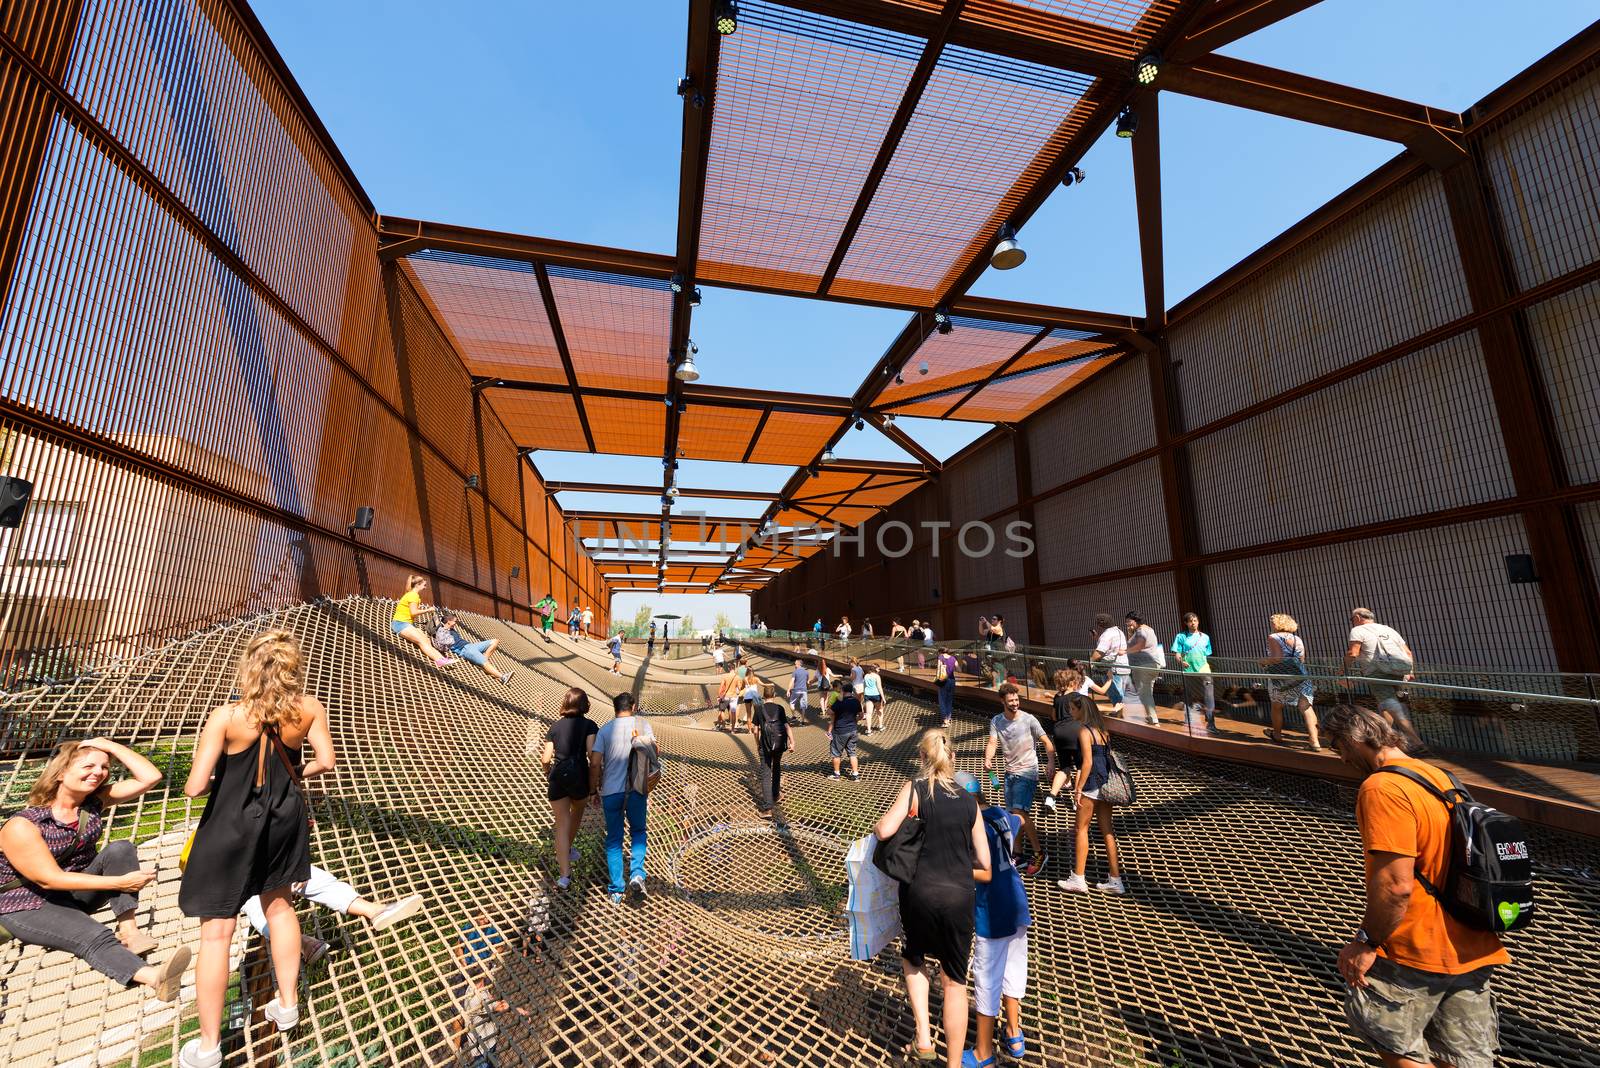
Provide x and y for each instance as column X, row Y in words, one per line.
column 1423, row 1016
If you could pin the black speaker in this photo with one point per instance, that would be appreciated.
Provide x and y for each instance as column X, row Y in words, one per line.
column 363, row 518
column 1519, row 568
column 14, row 494
column 516, row 571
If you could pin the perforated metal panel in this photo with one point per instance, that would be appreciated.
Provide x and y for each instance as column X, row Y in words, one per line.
column 984, row 483
column 1545, row 170
column 1565, row 331
column 1416, row 435
column 1069, row 613
column 1111, row 523
column 1444, row 588
column 1107, row 419
column 983, row 559
column 1381, row 277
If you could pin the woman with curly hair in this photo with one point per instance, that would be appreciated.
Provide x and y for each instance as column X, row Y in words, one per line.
column 253, row 839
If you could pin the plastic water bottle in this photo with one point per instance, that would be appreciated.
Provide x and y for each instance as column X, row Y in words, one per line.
column 994, row 780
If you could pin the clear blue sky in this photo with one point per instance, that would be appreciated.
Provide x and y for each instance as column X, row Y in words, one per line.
column 561, row 120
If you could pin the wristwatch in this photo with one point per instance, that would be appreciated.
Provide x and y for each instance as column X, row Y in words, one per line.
column 1362, row 936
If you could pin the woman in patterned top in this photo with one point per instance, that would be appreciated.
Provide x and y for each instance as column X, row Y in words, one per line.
column 52, row 877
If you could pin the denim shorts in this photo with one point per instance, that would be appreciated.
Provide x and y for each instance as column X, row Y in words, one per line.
column 472, row 652
column 398, row 625
column 842, row 744
column 1020, row 790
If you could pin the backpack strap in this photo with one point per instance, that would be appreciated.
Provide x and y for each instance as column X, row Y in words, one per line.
column 1446, row 800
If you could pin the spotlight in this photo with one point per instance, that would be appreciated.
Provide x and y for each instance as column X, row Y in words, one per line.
column 899, row 380
column 672, row 493
column 686, row 370
column 677, row 283
column 941, row 322
column 362, row 521
column 1007, row 254
column 1127, row 123
column 727, row 17
column 1074, row 176
column 861, row 424
column 888, row 419
column 1146, row 68
column 922, row 368
column 694, row 297
column 827, row 456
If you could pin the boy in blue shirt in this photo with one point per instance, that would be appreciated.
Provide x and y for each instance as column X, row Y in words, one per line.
column 1000, row 950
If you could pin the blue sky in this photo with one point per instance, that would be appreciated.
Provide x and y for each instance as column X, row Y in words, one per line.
column 561, row 120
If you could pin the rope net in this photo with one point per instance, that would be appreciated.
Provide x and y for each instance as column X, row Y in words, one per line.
column 1243, row 883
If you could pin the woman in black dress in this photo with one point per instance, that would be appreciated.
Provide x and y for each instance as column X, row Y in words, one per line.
column 573, row 773
column 936, row 909
column 253, row 838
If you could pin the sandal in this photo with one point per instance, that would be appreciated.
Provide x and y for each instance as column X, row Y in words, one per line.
column 913, row 1050
column 969, row 1059
column 1015, row 1046
column 1275, row 735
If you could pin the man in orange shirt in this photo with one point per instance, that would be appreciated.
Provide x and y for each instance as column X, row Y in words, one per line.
column 1419, row 979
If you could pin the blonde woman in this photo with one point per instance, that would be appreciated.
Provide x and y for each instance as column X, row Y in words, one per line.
column 1286, row 660
column 253, row 840
column 936, row 910
column 1092, row 772
column 52, row 878
column 404, row 623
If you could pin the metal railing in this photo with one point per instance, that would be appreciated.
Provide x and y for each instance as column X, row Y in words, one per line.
column 1529, row 717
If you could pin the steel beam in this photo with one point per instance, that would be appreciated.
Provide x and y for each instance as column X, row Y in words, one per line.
column 651, row 491
column 553, row 314
column 495, row 244
column 904, row 440
column 1147, row 195
column 692, row 393
column 931, row 51
column 1229, row 20
column 1434, row 134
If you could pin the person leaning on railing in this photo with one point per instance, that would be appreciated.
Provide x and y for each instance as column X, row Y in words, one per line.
column 52, row 876
column 1376, row 651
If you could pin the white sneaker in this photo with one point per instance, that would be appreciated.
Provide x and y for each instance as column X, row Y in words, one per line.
column 563, row 882
column 286, row 1017
column 397, row 912
column 1074, row 884
column 1050, row 802
column 1112, row 885
column 1154, row 721
column 192, row 1056
column 637, row 886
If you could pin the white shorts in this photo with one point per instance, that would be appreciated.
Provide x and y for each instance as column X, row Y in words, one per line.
column 999, row 966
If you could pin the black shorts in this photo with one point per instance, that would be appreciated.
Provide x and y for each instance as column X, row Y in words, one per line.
column 942, row 930
column 557, row 791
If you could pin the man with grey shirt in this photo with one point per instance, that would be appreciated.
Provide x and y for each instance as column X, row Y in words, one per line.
column 614, row 744
column 1378, row 652
column 1017, row 733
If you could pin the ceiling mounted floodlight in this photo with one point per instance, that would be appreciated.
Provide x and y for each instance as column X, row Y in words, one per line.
column 861, row 424
column 888, row 418
column 1146, row 68
column 677, row 283
column 694, row 297
column 1127, row 123
column 1007, row 254
column 827, row 456
column 1074, row 176
column 899, row 379
column 685, row 371
column 672, row 492
column 941, row 320
column 727, row 17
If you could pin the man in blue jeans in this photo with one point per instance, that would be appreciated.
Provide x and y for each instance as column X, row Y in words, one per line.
column 614, row 743
column 1018, row 733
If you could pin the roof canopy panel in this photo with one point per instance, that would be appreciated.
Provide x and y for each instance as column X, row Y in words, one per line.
column 493, row 311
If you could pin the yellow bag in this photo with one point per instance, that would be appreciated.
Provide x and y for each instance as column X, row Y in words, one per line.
column 183, row 858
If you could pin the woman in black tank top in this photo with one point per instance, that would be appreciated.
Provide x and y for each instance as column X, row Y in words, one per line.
column 253, row 839
column 936, row 909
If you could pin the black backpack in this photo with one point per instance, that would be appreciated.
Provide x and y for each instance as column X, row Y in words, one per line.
column 1488, row 877
column 772, row 726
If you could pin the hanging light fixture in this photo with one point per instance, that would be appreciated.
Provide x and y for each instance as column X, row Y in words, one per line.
column 1127, row 123
column 827, row 456
column 1147, row 68
column 922, row 368
column 1074, row 176
column 694, row 297
column 686, row 371
column 727, row 17
column 1007, row 254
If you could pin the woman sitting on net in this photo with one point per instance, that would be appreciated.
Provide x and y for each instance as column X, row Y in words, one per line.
column 52, row 877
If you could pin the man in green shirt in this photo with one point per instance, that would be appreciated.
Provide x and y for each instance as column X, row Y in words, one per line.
column 547, row 613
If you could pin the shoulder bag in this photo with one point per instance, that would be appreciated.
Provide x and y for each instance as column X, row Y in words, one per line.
column 897, row 856
column 1118, row 789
